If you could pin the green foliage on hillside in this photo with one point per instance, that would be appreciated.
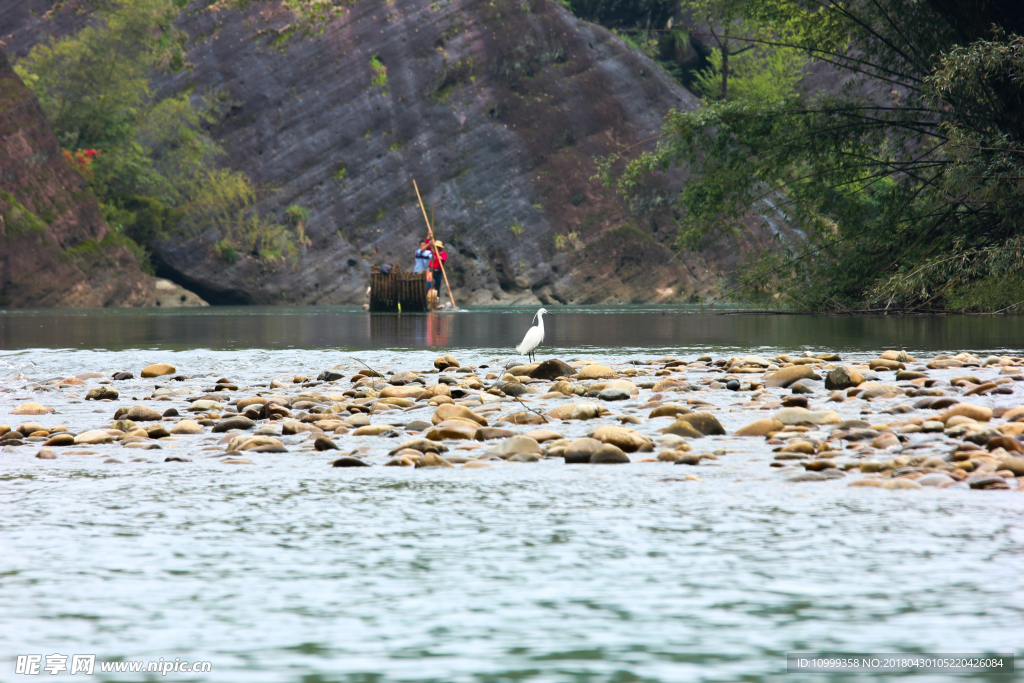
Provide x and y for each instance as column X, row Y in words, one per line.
column 157, row 170
column 901, row 191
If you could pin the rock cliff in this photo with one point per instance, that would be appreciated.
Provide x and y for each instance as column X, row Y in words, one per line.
column 497, row 109
column 55, row 248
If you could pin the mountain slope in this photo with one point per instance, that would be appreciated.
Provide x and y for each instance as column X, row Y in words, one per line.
column 497, row 109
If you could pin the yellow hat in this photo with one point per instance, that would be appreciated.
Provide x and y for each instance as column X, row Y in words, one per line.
column 439, row 244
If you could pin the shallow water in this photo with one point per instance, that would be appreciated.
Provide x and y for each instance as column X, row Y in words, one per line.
column 290, row 570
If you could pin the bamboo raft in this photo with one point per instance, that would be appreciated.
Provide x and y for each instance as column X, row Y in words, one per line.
column 396, row 290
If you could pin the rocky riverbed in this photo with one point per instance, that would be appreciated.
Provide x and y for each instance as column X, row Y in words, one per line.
column 889, row 422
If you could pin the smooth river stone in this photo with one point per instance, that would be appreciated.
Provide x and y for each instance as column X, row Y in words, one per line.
column 446, row 361
column 450, row 411
column 762, row 427
column 432, row 460
column 580, row 450
column 237, row 422
column 613, row 394
column 94, row 436
column 542, row 435
column 595, row 372
column 793, row 416
column 203, row 405
column 411, row 391
column 705, row 423
column 627, row 439
column 609, row 454
column 670, row 410
column 140, row 413
column 452, row 429
column 679, row 428
column 373, row 430
column 576, row 411
column 975, row 412
column 489, row 433
column 420, row 444
column 31, row 408
column 786, row 376
column 513, row 445
column 60, row 440
column 187, row 427
column 349, row 461
column 1015, row 465
column 158, row 370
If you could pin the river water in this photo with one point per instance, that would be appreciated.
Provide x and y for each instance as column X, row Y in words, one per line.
column 293, row 571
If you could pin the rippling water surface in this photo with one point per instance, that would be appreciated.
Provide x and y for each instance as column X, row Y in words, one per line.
column 293, row 571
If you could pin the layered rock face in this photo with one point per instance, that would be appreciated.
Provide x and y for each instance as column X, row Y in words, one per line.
column 498, row 110
column 55, row 248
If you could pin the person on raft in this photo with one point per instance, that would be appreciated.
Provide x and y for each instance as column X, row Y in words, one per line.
column 423, row 257
column 435, row 263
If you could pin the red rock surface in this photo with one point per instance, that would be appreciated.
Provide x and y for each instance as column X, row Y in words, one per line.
column 55, row 248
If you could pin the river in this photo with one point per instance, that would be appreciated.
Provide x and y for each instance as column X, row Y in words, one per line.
column 289, row 570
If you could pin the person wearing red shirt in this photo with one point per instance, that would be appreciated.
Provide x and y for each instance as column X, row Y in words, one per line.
column 440, row 256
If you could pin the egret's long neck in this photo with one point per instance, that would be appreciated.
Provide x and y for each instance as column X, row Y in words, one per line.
column 540, row 322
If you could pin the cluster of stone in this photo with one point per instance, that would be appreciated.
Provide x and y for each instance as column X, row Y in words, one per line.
column 953, row 421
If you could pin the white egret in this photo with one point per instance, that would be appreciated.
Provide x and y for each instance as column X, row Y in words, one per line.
column 534, row 336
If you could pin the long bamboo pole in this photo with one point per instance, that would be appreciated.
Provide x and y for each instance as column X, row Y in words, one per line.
column 437, row 256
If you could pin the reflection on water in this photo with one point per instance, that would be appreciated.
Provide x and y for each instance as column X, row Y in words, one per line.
column 649, row 327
